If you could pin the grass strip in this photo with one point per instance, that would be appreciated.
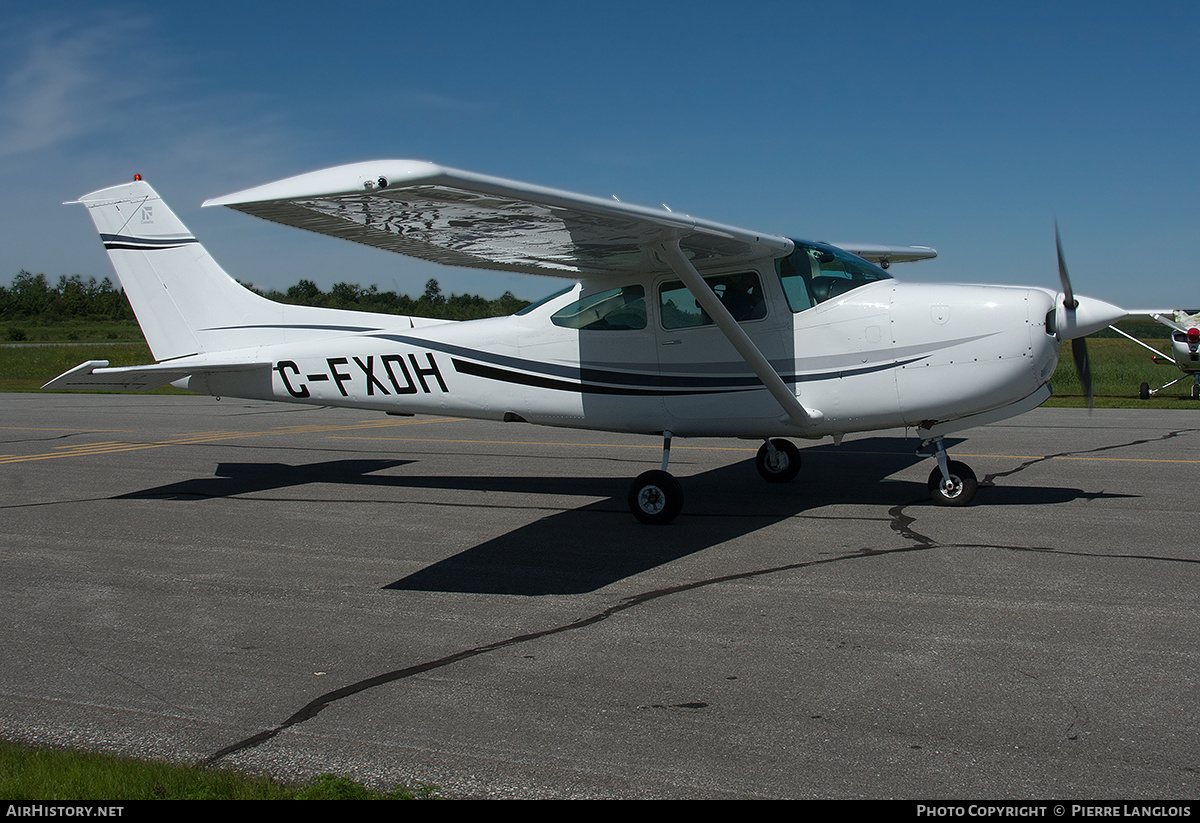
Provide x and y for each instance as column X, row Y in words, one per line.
column 46, row 774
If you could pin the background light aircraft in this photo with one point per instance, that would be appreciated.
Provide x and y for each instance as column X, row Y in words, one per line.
column 1185, row 349
column 673, row 326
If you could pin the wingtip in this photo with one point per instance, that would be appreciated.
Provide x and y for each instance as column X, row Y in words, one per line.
column 366, row 176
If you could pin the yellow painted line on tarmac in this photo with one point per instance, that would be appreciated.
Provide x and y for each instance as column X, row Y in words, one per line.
column 1080, row 457
column 48, row 429
column 195, row 438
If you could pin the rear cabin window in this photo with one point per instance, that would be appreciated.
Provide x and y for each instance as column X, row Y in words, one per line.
column 532, row 307
column 622, row 309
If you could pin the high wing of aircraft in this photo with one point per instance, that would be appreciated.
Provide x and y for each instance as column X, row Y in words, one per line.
column 670, row 325
column 1185, row 349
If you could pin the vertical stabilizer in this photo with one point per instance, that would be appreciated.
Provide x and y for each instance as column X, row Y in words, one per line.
column 178, row 292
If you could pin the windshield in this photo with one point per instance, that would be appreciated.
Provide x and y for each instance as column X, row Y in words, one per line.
column 815, row 272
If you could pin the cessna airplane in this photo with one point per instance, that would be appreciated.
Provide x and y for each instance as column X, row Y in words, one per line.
column 673, row 326
column 1185, row 349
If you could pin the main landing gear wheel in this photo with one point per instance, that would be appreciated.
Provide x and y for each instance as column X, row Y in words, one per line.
column 656, row 497
column 958, row 489
column 778, row 462
column 1144, row 391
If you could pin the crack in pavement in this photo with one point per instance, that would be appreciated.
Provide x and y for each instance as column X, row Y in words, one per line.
column 900, row 522
column 318, row 704
column 987, row 479
column 921, row 543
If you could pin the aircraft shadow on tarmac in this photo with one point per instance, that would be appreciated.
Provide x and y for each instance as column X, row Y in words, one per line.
column 572, row 552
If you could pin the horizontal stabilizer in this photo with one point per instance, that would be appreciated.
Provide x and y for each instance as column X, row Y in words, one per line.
column 95, row 375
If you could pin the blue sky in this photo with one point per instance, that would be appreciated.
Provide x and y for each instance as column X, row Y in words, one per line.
column 970, row 127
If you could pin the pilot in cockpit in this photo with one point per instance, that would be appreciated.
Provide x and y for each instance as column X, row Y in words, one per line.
column 742, row 297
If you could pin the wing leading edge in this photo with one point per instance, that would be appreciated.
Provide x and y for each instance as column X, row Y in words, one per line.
column 464, row 219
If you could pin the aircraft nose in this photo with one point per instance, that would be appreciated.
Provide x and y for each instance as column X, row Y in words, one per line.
column 1088, row 315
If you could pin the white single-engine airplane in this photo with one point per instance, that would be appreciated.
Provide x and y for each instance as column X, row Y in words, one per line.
column 673, row 326
column 1185, row 349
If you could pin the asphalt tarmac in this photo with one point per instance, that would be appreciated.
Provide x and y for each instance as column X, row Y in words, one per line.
column 470, row 605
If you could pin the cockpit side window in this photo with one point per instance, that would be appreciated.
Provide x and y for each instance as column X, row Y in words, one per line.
column 795, row 273
column 620, row 309
column 741, row 293
column 815, row 272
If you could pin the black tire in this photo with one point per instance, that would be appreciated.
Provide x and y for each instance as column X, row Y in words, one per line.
column 959, row 491
column 655, row 498
column 1195, row 392
column 1144, row 391
column 786, row 465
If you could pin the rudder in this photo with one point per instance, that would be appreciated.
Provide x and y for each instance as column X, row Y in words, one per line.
column 178, row 292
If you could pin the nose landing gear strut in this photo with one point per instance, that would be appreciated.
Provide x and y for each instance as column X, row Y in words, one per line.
column 952, row 483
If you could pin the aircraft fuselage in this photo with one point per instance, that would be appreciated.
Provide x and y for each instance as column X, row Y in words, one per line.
column 885, row 354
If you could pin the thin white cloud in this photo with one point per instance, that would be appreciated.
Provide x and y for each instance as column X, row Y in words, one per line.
column 121, row 90
column 64, row 79
column 443, row 103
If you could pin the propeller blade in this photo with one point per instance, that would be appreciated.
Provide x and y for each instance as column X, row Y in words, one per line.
column 1079, row 352
column 1083, row 368
column 1068, row 295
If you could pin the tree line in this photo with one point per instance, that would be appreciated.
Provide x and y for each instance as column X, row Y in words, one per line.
column 32, row 297
column 430, row 304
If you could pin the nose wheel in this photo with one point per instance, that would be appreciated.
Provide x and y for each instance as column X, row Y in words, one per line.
column 1145, row 392
column 952, row 483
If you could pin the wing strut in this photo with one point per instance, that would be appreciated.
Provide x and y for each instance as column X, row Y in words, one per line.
column 708, row 300
column 1139, row 342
